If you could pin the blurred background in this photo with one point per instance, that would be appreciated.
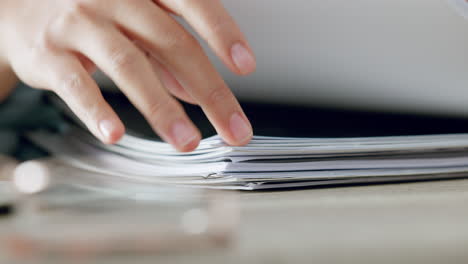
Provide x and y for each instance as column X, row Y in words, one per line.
column 398, row 56
column 329, row 68
column 332, row 68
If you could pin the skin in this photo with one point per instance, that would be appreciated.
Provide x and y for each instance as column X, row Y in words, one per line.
column 8, row 81
column 57, row 44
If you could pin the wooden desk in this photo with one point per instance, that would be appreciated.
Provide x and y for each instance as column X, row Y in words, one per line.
column 424, row 222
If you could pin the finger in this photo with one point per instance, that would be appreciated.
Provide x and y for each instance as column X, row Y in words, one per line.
column 170, row 82
column 214, row 24
column 182, row 55
column 128, row 67
column 67, row 77
column 87, row 63
column 167, row 78
column 166, row 7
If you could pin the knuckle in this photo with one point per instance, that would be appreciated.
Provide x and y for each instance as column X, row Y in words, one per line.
column 72, row 88
column 43, row 45
column 75, row 12
column 38, row 50
column 70, row 85
column 160, row 109
column 122, row 59
column 217, row 95
column 177, row 42
column 219, row 24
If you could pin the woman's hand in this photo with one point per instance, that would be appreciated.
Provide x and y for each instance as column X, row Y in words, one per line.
column 56, row 44
column 8, row 81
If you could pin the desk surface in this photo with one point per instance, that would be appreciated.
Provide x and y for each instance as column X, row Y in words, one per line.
column 425, row 222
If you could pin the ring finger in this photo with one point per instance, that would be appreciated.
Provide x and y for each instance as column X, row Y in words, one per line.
column 128, row 67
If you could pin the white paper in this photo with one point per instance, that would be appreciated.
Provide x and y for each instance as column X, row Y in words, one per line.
column 267, row 162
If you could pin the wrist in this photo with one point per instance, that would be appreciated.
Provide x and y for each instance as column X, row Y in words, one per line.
column 8, row 80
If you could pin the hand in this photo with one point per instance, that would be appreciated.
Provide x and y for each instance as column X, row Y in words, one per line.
column 8, row 81
column 56, row 44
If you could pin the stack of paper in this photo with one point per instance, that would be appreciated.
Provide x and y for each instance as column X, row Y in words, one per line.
column 267, row 162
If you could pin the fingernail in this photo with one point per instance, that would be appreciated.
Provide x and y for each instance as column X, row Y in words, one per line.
column 240, row 128
column 183, row 133
column 106, row 127
column 243, row 59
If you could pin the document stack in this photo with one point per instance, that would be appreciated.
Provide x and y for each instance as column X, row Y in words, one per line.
column 267, row 162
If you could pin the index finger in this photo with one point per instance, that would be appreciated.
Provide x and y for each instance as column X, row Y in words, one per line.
column 214, row 24
column 172, row 45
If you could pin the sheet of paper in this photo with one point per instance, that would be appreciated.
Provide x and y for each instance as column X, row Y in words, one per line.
column 267, row 162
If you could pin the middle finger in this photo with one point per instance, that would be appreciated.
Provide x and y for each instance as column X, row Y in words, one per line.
column 129, row 68
column 182, row 55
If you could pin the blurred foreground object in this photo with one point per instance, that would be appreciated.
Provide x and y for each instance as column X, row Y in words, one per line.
column 7, row 166
column 67, row 212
